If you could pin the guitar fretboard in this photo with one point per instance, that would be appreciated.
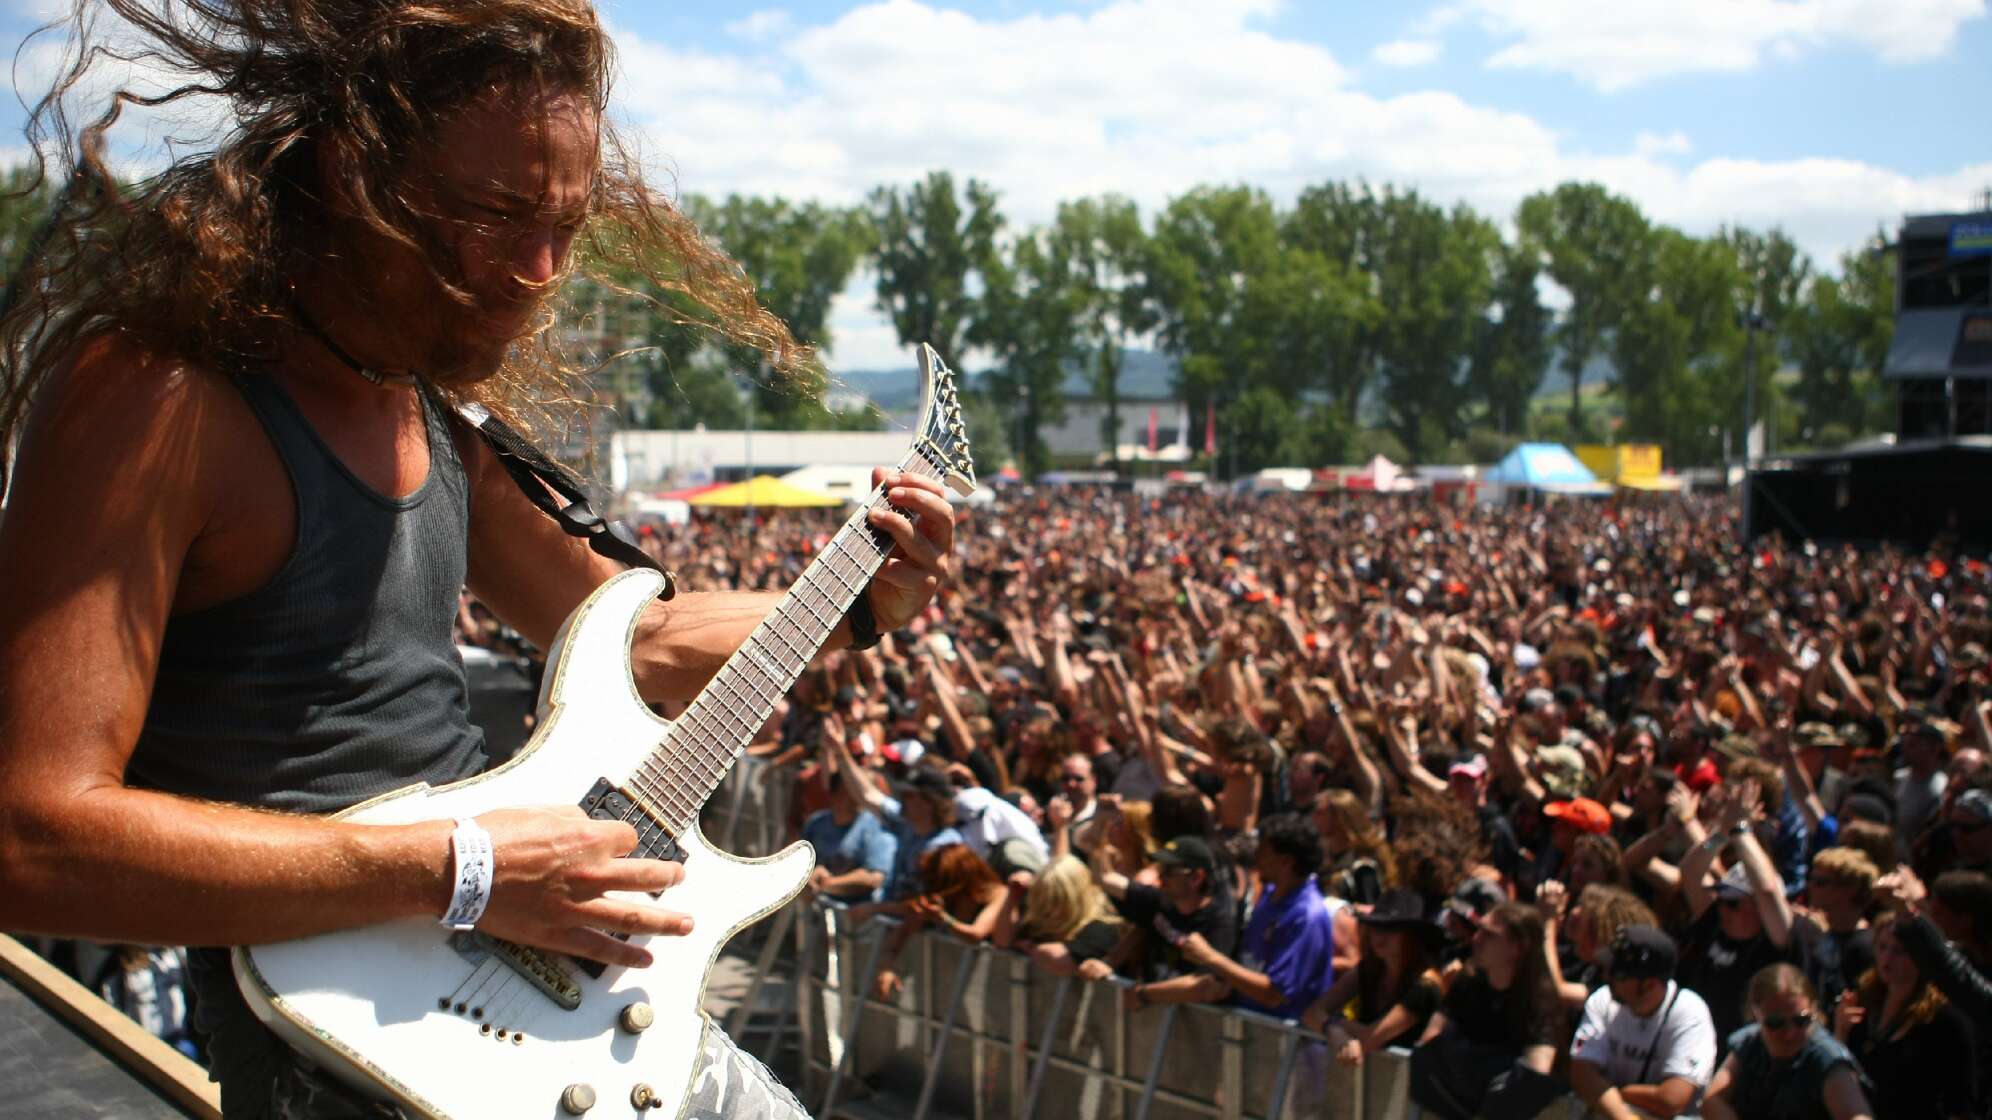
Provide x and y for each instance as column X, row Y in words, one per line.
column 705, row 741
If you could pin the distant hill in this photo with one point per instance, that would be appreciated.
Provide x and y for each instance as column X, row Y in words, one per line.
column 1145, row 374
column 1150, row 375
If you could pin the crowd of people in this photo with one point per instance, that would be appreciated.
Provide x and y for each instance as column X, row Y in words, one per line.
column 1586, row 797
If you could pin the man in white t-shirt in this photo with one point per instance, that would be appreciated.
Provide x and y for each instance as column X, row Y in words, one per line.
column 1000, row 832
column 1646, row 1046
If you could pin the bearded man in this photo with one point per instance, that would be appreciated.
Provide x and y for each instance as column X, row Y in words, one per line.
column 241, row 511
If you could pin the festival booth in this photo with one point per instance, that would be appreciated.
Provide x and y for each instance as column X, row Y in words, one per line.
column 1629, row 466
column 1378, row 476
column 1539, row 468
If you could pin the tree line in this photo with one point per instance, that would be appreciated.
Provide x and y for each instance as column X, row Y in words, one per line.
column 1356, row 319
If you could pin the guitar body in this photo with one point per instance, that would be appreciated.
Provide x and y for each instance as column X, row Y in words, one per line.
column 448, row 1028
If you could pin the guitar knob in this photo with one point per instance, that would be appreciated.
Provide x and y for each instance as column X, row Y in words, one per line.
column 637, row 1017
column 643, row 1097
column 577, row 1099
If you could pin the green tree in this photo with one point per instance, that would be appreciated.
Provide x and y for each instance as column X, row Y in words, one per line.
column 1838, row 335
column 1347, row 226
column 24, row 206
column 1107, row 249
column 1774, row 272
column 1511, row 345
column 1593, row 244
column 929, row 250
column 1676, row 348
column 799, row 257
column 1033, row 306
column 1206, row 250
column 1433, row 277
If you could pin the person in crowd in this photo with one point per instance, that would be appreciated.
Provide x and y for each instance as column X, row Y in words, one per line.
column 1786, row 1064
column 1000, row 832
column 1645, row 1046
column 962, row 897
column 1920, row 781
column 1946, row 930
column 1395, row 987
column 918, row 817
column 1839, row 943
column 1063, row 920
column 1074, row 805
column 1491, row 1046
column 1286, row 956
column 1743, row 923
column 1359, row 863
column 855, row 850
column 1918, row 1050
column 1188, row 902
column 1593, row 920
column 1970, row 823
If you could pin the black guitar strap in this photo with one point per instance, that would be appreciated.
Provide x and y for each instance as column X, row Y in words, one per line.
column 559, row 494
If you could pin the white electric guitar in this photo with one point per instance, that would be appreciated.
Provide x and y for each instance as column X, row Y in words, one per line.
column 465, row 1026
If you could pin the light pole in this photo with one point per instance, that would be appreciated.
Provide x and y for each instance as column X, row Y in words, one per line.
column 1752, row 323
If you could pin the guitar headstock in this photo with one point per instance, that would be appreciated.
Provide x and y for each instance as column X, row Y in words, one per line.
column 943, row 437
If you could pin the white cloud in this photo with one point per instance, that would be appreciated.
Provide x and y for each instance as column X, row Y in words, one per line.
column 1614, row 46
column 1407, row 52
column 1653, row 144
column 765, row 24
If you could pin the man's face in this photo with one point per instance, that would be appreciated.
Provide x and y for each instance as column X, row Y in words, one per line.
column 1075, row 780
column 507, row 184
column 1973, row 835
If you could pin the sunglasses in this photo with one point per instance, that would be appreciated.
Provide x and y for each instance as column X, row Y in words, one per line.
column 1780, row 1022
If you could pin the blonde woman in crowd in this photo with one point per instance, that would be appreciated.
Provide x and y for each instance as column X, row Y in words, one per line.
column 1063, row 920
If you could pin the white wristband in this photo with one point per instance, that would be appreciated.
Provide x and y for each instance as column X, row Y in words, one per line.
column 471, row 891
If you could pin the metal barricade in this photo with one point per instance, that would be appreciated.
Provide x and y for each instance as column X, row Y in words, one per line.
column 978, row 1033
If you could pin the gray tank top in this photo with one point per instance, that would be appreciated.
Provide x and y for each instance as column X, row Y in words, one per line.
column 338, row 679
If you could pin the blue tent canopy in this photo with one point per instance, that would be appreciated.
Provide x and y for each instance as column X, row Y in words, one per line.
column 1546, row 466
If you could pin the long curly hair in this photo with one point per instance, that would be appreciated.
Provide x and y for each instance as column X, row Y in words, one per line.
column 191, row 262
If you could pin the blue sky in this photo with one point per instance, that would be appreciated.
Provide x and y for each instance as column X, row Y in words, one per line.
column 1825, row 117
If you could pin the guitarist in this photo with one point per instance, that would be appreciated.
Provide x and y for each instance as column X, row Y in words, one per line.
column 239, row 517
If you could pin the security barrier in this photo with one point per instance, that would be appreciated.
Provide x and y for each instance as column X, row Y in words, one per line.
column 979, row 1033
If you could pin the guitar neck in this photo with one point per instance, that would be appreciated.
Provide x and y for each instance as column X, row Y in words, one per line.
column 704, row 742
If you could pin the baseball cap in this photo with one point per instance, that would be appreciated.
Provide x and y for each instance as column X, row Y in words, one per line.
column 1536, row 699
column 1474, row 767
column 1580, row 813
column 1187, row 851
column 1563, row 771
column 1977, row 804
column 1736, row 747
column 924, row 779
column 1816, row 734
column 1475, row 898
column 1640, row 953
column 1735, row 883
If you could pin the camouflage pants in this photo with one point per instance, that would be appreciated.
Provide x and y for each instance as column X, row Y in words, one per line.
column 727, row 1084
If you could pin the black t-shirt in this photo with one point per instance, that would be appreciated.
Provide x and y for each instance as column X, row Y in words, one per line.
column 1421, row 998
column 1503, row 850
column 1485, row 1015
column 1931, row 1071
column 1162, row 926
column 1838, row 960
column 1094, row 940
column 1719, row 969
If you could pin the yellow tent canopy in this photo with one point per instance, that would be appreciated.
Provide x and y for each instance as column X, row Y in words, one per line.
column 764, row 490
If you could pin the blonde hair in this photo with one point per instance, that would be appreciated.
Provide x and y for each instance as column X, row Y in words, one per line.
column 1140, row 818
column 1850, row 864
column 1064, row 900
column 1606, row 910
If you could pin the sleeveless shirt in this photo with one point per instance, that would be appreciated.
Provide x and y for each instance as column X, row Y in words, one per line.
column 334, row 682
column 338, row 679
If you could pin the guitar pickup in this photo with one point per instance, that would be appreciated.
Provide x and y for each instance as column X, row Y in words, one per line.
column 654, row 840
column 605, row 802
